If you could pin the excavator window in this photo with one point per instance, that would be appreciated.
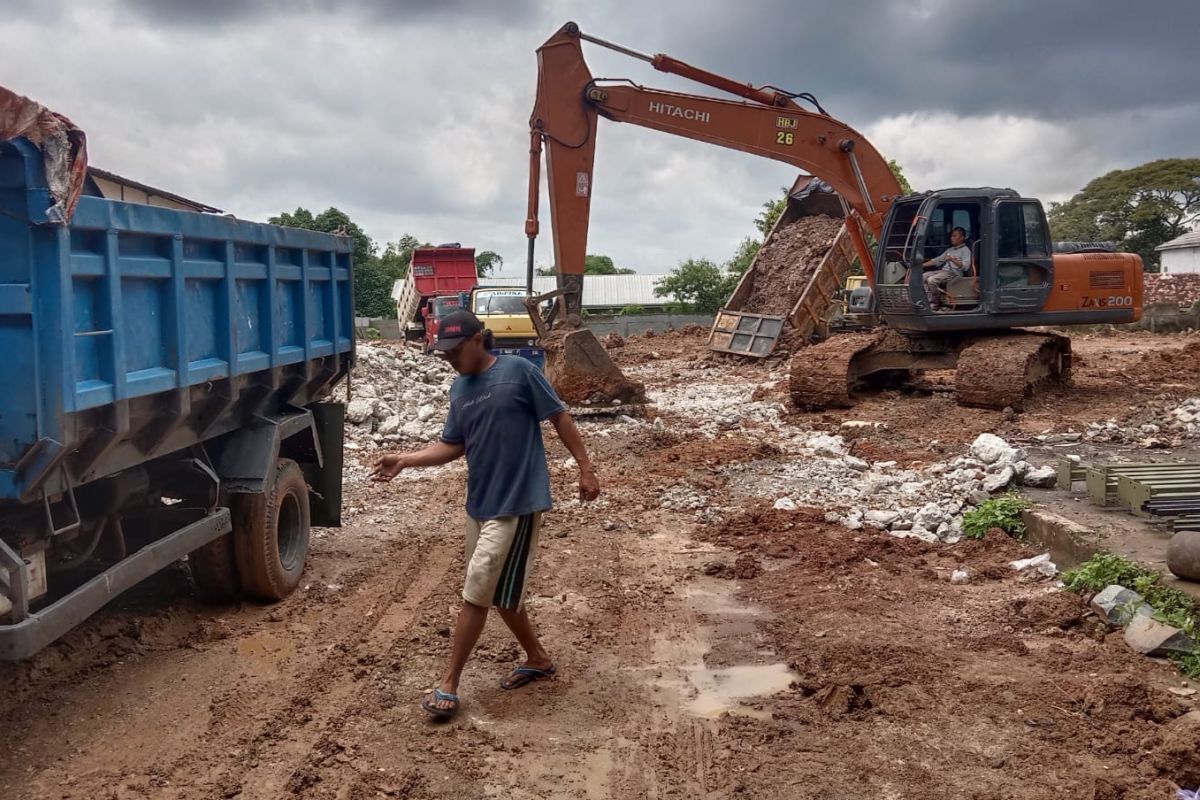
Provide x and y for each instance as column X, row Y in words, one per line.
column 1021, row 238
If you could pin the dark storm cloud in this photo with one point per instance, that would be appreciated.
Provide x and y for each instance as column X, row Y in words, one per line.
column 221, row 13
column 1029, row 57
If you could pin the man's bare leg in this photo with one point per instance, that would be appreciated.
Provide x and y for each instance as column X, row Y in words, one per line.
column 518, row 622
column 471, row 619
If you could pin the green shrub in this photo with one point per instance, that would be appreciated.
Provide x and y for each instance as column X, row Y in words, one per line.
column 999, row 512
column 1170, row 605
column 372, row 334
column 630, row 311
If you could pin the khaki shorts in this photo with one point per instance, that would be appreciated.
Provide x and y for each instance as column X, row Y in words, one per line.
column 499, row 559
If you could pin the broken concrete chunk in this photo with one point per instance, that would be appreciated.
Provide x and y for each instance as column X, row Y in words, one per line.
column 856, row 463
column 959, row 577
column 785, row 504
column 1041, row 565
column 1117, row 605
column 990, row 449
column 360, row 410
column 994, row 483
column 875, row 518
column 1041, row 477
column 1153, row 638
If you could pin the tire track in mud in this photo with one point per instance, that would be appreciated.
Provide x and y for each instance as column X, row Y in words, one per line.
column 273, row 752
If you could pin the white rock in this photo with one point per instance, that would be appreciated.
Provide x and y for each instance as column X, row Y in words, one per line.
column 360, row 410
column 856, row 464
column 825, row 445
column 426, row 412
column 959, row 577
column 990, row 448
column 1041, row 477
column 994, row 483
column 785, row 504
column 390, row 425
column 875, row 518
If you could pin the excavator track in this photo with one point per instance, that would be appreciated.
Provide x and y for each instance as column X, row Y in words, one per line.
column 1005, row 370
column 823, row 376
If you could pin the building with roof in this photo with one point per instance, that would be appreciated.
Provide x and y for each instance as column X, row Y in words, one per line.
column 102, row 183
column 1181, row 254
column 601, row 293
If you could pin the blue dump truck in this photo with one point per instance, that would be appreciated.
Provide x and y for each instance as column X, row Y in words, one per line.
column 164, row 381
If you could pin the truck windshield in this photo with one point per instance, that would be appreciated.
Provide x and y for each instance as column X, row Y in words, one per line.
column 444, row 305
column 499, row 304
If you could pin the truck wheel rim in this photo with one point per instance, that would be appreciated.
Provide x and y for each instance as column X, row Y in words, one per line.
column 288, row 533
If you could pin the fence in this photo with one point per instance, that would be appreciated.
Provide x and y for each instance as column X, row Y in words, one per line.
column 599, row 324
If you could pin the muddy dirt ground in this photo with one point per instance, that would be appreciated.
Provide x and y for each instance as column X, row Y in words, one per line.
column 750, row 652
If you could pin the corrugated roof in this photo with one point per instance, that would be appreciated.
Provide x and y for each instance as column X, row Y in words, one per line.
column 599, row 291
column 150, row 190
column 1187, row 240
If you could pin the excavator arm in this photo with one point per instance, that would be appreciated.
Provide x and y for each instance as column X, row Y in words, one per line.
column 768, row 123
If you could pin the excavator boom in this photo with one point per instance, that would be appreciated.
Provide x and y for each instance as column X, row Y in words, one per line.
column 768, row 123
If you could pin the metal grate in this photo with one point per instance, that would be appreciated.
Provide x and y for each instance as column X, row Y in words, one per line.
column 1106, row 279
column 745, row 334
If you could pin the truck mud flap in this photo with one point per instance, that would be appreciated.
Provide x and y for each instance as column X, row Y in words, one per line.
column 29, row 635
column 325, row 480
column 745, row 334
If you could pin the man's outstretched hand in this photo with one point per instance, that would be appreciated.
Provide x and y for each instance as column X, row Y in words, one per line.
column 387, row 467
column 589, row 485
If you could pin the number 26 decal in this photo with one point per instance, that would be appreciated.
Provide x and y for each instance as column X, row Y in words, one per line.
column 785, row 137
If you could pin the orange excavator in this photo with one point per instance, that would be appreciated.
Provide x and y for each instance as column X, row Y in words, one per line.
column 1016, row 279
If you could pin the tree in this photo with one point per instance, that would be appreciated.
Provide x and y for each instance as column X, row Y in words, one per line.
column 594, row 265
column 746, row 251
column 488, row 263
column 898, row 171
column 397, row 256
column 372, row 286
column 1139, row 208
column 697, row 283
column 772, row 209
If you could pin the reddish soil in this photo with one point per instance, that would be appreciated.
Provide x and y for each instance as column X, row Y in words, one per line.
column 901, row 684
column 787, row 261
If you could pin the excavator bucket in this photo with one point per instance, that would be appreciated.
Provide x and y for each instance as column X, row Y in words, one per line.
column 577, row 365
column 583, row 374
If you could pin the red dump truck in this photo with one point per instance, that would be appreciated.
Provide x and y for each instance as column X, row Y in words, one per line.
column 436, row 278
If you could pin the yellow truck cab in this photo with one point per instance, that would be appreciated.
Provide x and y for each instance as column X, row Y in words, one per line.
column 502, row 311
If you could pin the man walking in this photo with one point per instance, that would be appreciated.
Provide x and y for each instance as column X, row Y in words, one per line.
column 496, row 406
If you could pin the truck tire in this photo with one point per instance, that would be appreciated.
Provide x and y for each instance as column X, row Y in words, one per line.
column 271, row 533
column 215, row 571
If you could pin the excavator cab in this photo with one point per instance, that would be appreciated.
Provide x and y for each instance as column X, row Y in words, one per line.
column 1011, row 271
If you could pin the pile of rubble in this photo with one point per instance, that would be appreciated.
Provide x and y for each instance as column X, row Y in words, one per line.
column 927, row 503
column 400, row 395
column 1161, row 424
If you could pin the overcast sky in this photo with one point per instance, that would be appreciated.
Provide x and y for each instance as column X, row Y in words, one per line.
column 412, row 116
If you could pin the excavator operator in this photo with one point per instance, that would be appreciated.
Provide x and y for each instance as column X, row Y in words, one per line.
column 954, row 263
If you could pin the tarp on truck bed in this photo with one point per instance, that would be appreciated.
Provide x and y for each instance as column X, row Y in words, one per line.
column 64, row 148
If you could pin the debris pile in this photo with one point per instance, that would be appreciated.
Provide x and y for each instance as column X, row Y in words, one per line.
column 787, row 261
column 1160, row 424
column 400, row 395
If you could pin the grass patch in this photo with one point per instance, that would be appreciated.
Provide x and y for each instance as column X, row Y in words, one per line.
column 1170, row 605
column 998, row 512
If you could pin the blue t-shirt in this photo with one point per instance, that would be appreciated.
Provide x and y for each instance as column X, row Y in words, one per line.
column 496, row 416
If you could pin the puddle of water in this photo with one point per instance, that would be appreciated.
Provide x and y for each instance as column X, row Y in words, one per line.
column 722, row 604
column 719, row 689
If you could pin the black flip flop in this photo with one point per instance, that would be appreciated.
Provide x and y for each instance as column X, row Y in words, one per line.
column 525, row 675
column 440, row 714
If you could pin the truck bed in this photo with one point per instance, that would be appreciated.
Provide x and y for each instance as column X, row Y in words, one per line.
column 135, row 331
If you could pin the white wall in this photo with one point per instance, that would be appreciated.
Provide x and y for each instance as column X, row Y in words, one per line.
column 1182, row 259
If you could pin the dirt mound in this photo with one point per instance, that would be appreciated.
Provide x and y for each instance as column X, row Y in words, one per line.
column 787, row 261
